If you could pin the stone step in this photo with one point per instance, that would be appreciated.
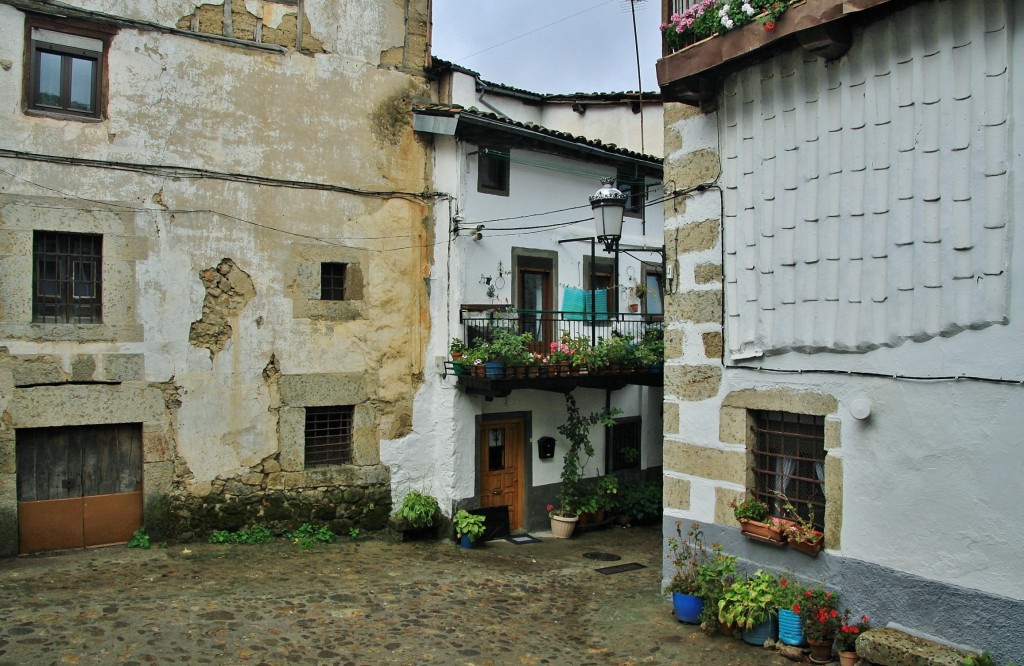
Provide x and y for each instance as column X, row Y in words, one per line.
column 891, row 647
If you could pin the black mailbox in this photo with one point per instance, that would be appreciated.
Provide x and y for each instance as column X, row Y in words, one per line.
column 546, row 448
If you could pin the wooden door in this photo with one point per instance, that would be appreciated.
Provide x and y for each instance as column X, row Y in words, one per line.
column 78, row 486
column 501, row 468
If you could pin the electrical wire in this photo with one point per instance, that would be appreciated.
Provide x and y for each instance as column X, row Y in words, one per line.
column 107, row 206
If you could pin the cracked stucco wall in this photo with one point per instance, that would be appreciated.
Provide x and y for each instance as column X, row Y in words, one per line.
column 211, row 301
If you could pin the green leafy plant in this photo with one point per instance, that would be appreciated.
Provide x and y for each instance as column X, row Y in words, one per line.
column 641, row 501
column 254, row 534
column 790, row 592
column 576, row 430
column 418, row 509
column 509, row 347
column 457, row 346
column 750, row 509
column 353, row 533
column 748, row 602
column 468, row 524
column 983, row 659
column 139, row 539
column 308, row 536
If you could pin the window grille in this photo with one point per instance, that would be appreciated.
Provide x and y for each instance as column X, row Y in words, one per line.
column 328, row 436
column 66, row 278
column 789, row 462
column 332, row 281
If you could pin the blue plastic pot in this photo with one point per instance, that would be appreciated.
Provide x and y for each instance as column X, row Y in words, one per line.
column 466, row 542
column 494, row 370
column 791, row 628
column 760, row 633
column 687, row 607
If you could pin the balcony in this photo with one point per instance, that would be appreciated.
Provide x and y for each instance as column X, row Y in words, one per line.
column 692, row 74
column 608, row 350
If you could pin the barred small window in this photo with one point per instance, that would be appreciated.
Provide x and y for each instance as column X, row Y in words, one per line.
column 332, row 281
column 66, row 278
column 789, row 463
column 328, row 436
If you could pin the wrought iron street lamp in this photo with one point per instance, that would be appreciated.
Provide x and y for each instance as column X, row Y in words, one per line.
column 608, row 205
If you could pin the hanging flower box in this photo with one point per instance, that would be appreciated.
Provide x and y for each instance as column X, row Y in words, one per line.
column 773, row 530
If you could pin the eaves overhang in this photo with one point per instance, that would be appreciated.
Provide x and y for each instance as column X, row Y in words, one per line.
column 481, row 129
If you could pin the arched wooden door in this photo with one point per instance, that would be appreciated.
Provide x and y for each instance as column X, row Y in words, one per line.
column 501, row 468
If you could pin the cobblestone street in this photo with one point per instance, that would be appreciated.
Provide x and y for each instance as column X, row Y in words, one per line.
column 353, row 602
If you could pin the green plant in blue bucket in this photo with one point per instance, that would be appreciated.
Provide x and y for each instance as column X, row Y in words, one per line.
column 749, row 604
column 791, row 627
column 468, row 527
column 697, row 569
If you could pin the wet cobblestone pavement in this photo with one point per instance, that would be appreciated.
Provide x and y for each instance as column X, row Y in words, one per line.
column 359, row 602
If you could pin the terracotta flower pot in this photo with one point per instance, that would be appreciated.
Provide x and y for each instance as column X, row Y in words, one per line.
column 762, row 530
column 821, row 651
column 847, row 658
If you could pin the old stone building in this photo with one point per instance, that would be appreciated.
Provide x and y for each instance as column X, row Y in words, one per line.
column 213, row 239
column 850, row 301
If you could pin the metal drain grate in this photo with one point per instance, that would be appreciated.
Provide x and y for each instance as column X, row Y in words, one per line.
column 602, row 557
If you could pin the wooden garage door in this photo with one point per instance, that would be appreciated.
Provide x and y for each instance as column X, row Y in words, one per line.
column 78, row 486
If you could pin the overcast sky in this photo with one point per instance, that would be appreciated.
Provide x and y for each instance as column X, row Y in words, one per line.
column 551, row 46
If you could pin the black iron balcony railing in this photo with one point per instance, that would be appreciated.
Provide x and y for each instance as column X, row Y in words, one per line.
column 547, row 326
column 594, row 366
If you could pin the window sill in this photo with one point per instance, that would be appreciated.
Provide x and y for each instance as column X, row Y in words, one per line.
column 57, row 115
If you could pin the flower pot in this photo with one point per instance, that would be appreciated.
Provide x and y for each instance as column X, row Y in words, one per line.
column 687, row 608
column 466, row 542
column 847, row 658
column 494, row 370
column 791, row 628
column 456, row 368
column 760, row 632
column 821, row 651
column 633, row 307
column 808, row 548
column 562, row 526
column 761, row 530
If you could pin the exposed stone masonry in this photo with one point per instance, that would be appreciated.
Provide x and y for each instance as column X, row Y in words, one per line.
column 228, row 290
column 251, row 498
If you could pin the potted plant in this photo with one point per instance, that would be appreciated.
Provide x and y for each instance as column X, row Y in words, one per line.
column 707, row 18
column 687, row 555
column 802, row 534
column 563, row 520
column 846, row 638
column 749, row 604
column 818, row 611
column 469, row 527
column 714, row 577
column 456, row 350
column 576, row 431
column 417, row 515
column 791, row 627
column 755, row 522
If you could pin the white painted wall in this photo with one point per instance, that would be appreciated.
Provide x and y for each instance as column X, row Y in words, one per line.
column 443, row 443
column 932, row 480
